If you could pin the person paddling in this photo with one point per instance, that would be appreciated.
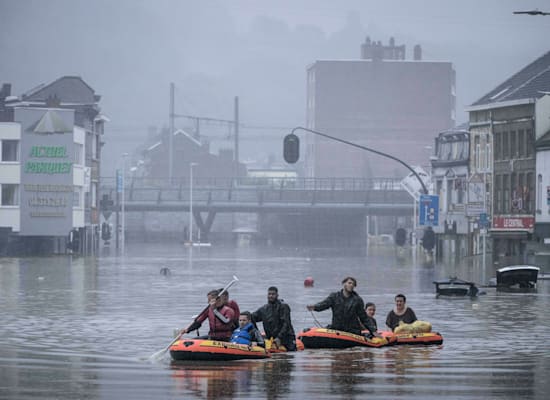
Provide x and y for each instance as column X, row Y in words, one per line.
column 220, row 318
column 348, row 310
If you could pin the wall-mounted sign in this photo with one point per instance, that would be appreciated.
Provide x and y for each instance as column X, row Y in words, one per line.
column 46, row 171
column 510, row 223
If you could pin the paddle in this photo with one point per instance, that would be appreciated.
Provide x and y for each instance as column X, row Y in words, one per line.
column 159, row 354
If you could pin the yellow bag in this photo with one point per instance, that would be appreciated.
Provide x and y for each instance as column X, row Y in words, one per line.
column 415, row 327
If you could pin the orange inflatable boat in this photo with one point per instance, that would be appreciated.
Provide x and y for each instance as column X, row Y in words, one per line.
column 213, row 350
column 317, row 338
column 272, row 348
column 428, row 338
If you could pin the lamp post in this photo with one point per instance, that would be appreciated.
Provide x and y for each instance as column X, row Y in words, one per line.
column 424, row 188
column 123, row 225
column 191, row 165
column 291, row 155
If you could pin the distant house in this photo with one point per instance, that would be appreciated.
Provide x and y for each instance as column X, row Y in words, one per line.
column 188, row 149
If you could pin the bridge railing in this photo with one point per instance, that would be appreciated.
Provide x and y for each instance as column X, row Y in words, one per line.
column 229, row 190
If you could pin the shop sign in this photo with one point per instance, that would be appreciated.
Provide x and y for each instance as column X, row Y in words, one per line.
column 513, row 223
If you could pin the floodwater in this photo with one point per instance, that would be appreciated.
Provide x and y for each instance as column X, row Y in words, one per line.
column 84, row 328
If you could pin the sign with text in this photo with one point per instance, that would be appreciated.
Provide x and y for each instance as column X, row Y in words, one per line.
column 46, row 171
column 428, row 210
column 510, row 223
column 476, row 194
column 412, row 185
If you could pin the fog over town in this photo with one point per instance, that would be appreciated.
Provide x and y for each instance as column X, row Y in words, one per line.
column 129, row 52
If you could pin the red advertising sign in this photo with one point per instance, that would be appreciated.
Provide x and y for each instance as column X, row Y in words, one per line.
column 513, row 223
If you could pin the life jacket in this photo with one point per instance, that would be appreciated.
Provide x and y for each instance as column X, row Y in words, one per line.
column 242, row 335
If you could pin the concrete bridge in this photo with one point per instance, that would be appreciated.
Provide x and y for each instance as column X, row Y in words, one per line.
column 340, row 198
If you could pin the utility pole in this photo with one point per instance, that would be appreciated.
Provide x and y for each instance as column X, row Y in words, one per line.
column 171, row 135
column 236, row 126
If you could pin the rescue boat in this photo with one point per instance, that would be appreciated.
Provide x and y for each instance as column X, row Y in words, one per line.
column 214, row 350
column 318, row 338
column 273, row 348
column 427, row 338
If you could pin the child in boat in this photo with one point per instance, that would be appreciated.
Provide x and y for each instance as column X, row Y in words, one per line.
column 247, row 333
column 370, row 309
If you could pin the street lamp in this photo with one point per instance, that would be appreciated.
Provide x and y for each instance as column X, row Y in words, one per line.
column 191, row 165
column 124, row 156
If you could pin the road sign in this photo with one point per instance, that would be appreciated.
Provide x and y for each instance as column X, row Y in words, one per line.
column 428, row 210
column 483, row 220
column 412, row 185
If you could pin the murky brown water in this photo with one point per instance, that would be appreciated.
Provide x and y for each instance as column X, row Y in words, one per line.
column 84, row 329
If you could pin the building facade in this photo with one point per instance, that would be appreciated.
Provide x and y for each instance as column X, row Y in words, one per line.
column 504, row 127
column 50, row 140
column 380, row 101
column 450, row 177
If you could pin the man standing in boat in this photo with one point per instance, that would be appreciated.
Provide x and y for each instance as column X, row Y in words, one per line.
column 275, row 316
column 348, row 309
column 220, row 318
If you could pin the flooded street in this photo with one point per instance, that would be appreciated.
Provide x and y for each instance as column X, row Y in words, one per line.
column 84, row 328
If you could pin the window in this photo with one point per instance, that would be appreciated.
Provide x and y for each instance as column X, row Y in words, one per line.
column 78, row 153
column 513, row 148
column 529, row 197
column 529, row 145
column 76, row 198
column 521, row 143
column 498, row 146
column 10, row 194
column 506, row 193
column 10, row 150
column 505, row 146
column 498, row 194
column 477, row 150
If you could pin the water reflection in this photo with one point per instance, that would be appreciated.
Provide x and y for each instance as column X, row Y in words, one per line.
column 213, row 380
column 275, row 376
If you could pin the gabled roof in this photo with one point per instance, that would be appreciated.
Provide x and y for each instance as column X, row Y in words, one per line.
column 68, row 89
column 51, row 122
column 525, row 84
column 543, row 142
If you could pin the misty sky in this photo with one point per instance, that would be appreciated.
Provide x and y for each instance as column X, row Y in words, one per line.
column 130, row 50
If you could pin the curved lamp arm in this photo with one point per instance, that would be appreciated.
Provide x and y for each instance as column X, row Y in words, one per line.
column 367, row 149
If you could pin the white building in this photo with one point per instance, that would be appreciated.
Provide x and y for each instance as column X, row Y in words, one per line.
column 49, row 169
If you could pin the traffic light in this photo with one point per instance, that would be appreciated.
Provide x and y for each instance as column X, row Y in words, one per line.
column 428, row 240
column 400, row 237
column 291, row 148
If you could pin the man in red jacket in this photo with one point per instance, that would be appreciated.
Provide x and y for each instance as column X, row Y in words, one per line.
column 220, row 318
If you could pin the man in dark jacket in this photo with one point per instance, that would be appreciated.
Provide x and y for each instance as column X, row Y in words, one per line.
column 348, row 309
column 275, row 316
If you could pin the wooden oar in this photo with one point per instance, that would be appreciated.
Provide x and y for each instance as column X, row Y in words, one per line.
column 159, row 354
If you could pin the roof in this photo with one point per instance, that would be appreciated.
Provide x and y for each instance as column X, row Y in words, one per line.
column 543, row 142
column 51, row 122
column 68, row 89
column 528, row 83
